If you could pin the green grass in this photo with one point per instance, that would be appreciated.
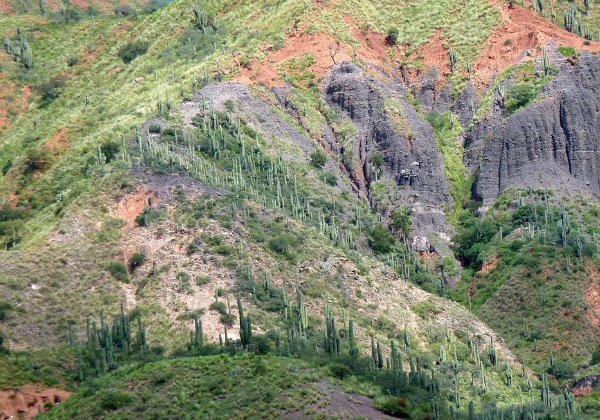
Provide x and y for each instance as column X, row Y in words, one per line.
column 533, row 291
column 242, row 386
column 447, row 129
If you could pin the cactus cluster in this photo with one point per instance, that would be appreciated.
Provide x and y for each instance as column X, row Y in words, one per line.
column 19, row 49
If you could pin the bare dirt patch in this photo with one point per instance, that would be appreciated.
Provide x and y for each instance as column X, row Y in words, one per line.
column 342, row 405
column 59, row 141
column 325, row 49
column 521, row 31
column 490, row 265
column 435, row 54
column 29, row 401
column 132, row 205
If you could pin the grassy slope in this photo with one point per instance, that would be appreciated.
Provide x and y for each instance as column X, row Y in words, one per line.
column 243, row 386
column 533, row 293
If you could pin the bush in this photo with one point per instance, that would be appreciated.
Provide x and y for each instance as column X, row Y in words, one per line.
column 136, row 260
column 50, row 90
column 318, row 158
column 401, row 220
column 392, row 36
column 37, row 160
column 3, row 343
column 131, row 50
column 394, row 406
column 5, row 309
column 110, row 149
column 118, row 270
column 330, row 179
column 124, row 11
column 596, row 355
column 562, row 370
column 381, row 240
column 567, row 51
column 228, row 319
column 113, row 400
column 283, row 245
column 340, row 371
column 519, row 96
column 150, row 215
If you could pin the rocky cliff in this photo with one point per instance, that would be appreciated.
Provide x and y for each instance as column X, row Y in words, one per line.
column 551, row 143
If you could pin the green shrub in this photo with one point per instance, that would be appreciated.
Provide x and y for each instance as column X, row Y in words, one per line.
column 562, row 371
column 330, row 179
column 401, row 220
column 110, row 149
column 519, row 96
column 154, row 128
column 392, row 36
column 37, row 160
column 50, row 90
column 219, row 306
column 567, row 51
column 228, row 319
column 394, row 406
column 136, row 260
column 340, row 371
column 113, row 400
column 596, row 355
column 131, row 50
column 3, row 343
column 118, row 270
column 183, row 279
column 381, row 240
column 5, row 310
column 318, row 158
column 202, row 280
column 150, row 215
column 283, row 244
column 124, row 11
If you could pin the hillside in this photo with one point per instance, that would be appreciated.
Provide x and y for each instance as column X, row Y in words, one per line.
column 370, row 206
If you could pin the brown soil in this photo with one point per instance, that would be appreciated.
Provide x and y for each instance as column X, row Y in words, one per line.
column 373, row 49
column 435, row 54
column 59, row 141
column 29, row 401
column 592, row 295
column 133, row 205
column 490, row 265
column 5, row 7
column 521, row 30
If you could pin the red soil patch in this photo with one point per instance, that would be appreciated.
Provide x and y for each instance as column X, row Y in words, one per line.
column 522, row 30
column 134, row 204
column 29, row 401
column 490, row 265
column 5, row 7
column 59, row 141
column 321, row 46
column 435, row 54
column 11, row 103
column 592, row 295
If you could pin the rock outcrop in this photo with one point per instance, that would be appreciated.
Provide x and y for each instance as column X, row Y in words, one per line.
column 412, row 174
column 552, row 143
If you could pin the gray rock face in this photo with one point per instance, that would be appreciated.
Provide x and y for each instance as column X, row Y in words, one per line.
column 553, row 143
column 413, row 171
